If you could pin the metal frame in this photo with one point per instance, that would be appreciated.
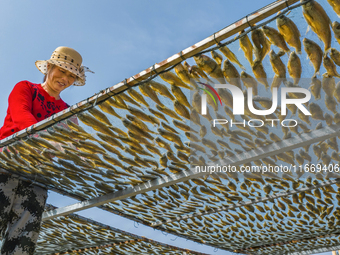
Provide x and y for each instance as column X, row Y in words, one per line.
column 156, row 68
column 246, row 157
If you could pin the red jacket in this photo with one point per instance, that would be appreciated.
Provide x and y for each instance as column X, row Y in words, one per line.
column 28, row 104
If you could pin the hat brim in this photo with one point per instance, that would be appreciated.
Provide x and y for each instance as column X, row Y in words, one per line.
column 79, row 72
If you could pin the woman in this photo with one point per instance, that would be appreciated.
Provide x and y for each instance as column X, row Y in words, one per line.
column 21, row 203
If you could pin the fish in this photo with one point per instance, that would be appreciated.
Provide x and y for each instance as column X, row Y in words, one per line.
column 328, row 119
column 125, row 97
column 260, row 74
column 161, row 89
column 249, row 81
column 153, row 149
column 336, row 92
column 181, row 126
column 94, row 123
column 210, row 66
column 140, row 114
column 199, row 72
column 169, row 128
column 105, row 107
column 275, row 38
column 247, row 47
column 138, row 97
column 163, row 160
column 158, row 114
column 231, row 73
column 139, row 138
column 290, row 32
column 184, row 75
column 161, row 143
column 217, row 57
column 330, row 103
column 261, row 44
column 170, row 136
column 278, row 67
column 147, row 91
column 168, row 112
column 335, row 5
column 315, row 88
column 115, row 102
column 139, row 123
column 319, row 22
column 316, row 111
column 328, row 84
column 173, row 79
column 294, row 67
column 51, row 138
column 231, row 56
column 330, row 66
column 192, row 137
column 336, row 30
column 100, row 116
column 195, row 117
column 129, row 161
column 335, row 56
column 180, row 96
column 79, row 129
column 195, row 146
column 135, row 129
column 91, row 146
column 314, row 53
column 109, row 148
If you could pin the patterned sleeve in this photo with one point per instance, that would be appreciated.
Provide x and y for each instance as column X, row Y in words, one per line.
column 20, row 105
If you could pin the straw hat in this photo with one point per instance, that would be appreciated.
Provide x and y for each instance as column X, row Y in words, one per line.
column 68, row 59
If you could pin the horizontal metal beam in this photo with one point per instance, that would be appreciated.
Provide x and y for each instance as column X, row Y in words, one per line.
column 227, row 32
column 165, row 181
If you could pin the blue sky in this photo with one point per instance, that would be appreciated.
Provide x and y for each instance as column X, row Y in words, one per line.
column 117, row 39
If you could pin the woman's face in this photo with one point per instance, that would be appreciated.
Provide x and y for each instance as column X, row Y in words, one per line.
column 59, row 79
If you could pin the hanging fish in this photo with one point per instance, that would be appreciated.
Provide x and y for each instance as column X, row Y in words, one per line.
column 161, row 89
column 231, row 56
column 330, row 66
column 180, row 96
column 173, row 79
column 231, row 74
column 249, row 82
column 335, row 5
column 275, row 38
column 294, row 67
column 319, row 21
column 210, row 66
column 217, row 57
column 184, row 75
column 247, row 47
column 260, row 73
column 277, row 64
column 138, row 97
column 261, row 44
column 147, row 91
column 314, row 53
column 335, row 56
column 290, row 32
column 328, row 84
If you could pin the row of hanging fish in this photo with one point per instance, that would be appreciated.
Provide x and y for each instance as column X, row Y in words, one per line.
column 74, row 233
